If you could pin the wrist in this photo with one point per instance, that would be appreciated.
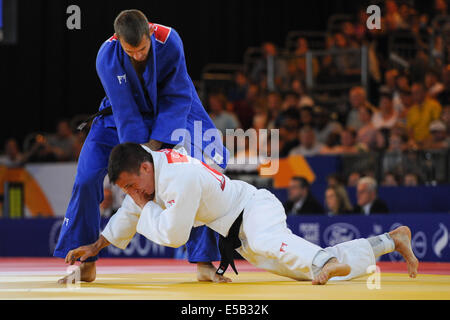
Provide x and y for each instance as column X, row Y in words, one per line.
column 101, row 243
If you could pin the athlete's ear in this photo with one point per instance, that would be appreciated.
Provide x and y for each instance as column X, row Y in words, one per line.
column 146, row 167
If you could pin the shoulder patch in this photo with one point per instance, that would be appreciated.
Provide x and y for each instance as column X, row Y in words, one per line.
column 161, row 32
column 113, row 38
column 173, row 156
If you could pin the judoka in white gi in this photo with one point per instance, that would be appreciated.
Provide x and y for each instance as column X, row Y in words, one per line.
column 168, row 193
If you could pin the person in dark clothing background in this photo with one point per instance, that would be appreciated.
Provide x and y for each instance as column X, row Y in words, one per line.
column 300, row 199
column 367, row 198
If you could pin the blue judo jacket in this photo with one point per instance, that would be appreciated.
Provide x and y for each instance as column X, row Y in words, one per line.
column 172, row 113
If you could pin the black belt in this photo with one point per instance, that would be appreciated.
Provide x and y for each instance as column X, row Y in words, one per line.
column 228, row 244
column 104, row 112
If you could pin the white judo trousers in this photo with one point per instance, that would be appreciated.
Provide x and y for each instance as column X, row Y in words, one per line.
column 269, row 244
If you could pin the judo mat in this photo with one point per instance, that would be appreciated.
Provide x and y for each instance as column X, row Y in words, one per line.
column 170, row 279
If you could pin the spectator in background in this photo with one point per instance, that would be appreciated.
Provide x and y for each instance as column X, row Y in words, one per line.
column 335, row 179
column 386, row 116
column 306, row 117
column 288, row 135
column 298, row 87
column 300, row 199
column 308, row 143
column 337, row 201
column 444, row 96
column 367, row 199
column 290, row 100
column 12, row 157
column 274, row 103
column 445, row 117
column 222, row 119
column 366, row 134
column 239, row 89
column 358, row 99
column 325, row 124
column 331, row 142
column 299, row 62
column 113, row 197
column 440, row 7
column 353, row 178
column 347, row 144
column 421, row 114
column 390, row 85
column 407, row 103
column 392, row 18
column 62, row 144
column 269, row 50
column 438, row 137
column 432, row 84
column 411, row 180
column 347, row 64
column 389, row 180
column 106, row 208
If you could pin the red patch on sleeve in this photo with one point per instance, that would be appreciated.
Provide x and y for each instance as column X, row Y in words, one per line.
column 161, row 32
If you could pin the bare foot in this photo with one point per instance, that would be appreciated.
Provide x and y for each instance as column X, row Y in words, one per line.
column 331, row 269
column 207, row 272
column 402, row 240
column 87, row 273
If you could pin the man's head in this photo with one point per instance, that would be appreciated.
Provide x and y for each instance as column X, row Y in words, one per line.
column 131, row 168
column 366, row 191
column 418, row 92
column 63, row 129
column 357, row 96
column 298, row 189
column 307, row 137
column 132, row 29
column 386, row 106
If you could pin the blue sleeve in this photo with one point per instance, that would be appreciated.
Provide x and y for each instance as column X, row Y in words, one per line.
column 174, row 90
column 129, row 122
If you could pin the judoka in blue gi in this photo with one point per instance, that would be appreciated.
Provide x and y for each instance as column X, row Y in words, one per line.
column 149, row 97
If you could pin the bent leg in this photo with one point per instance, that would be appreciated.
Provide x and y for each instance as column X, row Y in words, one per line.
column 358, row 254
column 81, row 224
column 269, row 244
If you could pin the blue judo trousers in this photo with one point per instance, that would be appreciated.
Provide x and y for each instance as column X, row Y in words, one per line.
column 164, row 107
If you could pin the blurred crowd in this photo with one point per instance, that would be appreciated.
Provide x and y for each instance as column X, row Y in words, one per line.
column 407, row 110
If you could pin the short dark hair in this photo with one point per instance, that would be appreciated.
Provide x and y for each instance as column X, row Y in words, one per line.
column 130, row 26
column 302, row 181
column 126, row 157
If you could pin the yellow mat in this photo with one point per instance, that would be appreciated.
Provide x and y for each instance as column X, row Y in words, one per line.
column 245, row 286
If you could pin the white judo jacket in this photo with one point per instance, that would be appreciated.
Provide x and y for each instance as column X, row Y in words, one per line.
column 188, row 194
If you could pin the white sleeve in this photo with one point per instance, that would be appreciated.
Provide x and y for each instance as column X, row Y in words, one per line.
column 172, row 227
column 121, row 228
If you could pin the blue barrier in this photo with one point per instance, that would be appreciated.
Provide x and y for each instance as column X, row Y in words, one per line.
column 37, row 237
column 430, row 231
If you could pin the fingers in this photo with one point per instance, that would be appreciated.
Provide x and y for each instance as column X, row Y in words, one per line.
column 72, row 256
